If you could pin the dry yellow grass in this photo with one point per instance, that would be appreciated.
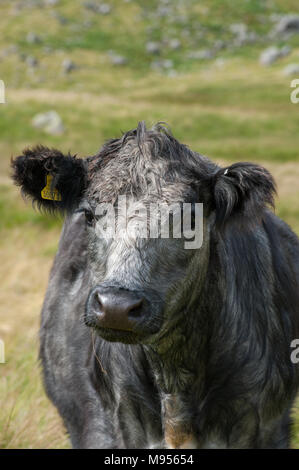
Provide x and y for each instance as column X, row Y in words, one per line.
column 27, row 420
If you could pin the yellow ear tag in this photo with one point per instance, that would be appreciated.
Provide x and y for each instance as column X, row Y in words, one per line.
column 48, row 193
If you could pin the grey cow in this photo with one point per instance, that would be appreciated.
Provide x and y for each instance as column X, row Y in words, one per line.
column 147, row 344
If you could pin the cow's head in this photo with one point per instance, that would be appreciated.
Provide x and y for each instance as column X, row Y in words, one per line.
column 143, row 281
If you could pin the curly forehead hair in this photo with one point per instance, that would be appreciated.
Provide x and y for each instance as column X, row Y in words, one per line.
column 144, row 159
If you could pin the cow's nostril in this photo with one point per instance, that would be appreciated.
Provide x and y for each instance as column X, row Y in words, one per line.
column 117, row 308
column 136, row 309
column 99, row 302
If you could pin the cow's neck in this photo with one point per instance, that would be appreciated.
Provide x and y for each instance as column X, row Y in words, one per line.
column 180, row 356
column 179, row 365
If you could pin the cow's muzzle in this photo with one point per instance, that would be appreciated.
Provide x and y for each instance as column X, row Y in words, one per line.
column 120, row 314
column 114, row 308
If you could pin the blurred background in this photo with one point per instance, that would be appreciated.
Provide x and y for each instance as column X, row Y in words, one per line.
column 79, row 72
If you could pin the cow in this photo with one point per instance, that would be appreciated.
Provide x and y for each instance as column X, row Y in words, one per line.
column 145, row 343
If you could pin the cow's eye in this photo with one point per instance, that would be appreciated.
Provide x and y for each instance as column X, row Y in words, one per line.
column 89, row 217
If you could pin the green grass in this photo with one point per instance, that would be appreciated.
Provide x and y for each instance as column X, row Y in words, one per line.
column 237, row 111
column 13, row 214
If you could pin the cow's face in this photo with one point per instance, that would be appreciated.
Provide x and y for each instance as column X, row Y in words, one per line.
column 148, row 236
column 136, row 280
column 142, row 237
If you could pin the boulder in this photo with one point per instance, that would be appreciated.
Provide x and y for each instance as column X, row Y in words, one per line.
column 273, row 53
column 291, row 69
column 287, row 24
column 49, row 122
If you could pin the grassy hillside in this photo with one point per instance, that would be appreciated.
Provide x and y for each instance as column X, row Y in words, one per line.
column 193, row 64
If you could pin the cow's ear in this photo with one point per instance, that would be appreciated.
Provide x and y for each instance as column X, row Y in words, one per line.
column 52, row 180
column 242, row 191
